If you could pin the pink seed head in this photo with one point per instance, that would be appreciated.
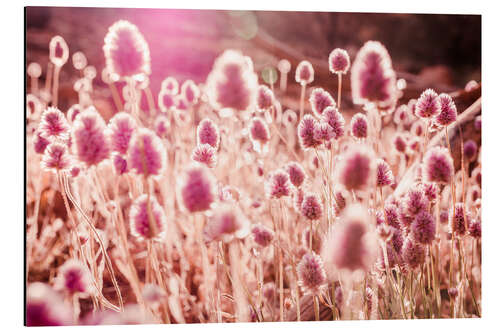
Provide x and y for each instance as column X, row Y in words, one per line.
column 190, row 92
column 259, row 131
column 423, row 228
column 45, row 307
column 265, row 98
column 372, row 78
column 448, row 113
column 170, row 86
column 58, row 51
column 197, row 188
column 470, row 150
column 53, row 125
column 438, row 165
column 413, row 253
column 384, row 173
column 74, row 171
column 262, row 235
column 278, row 184
column 417, row 128
column 320, row 99
column 336, row 121
column 339, row 61
column 56, row 157
column 475, row 228
column 226, row 222
column 146, row 153
column 205, row 154
column 73, row 111
column 166, row 101
column 74, row 277
column 120, row 164
column 306, row 130
column 428, row 104
column 359, row 126
column 356, row 169
column 121, row 127
column 126, row 51
column 311, row 273
column 208, row 132
column 400, row 143
column 232, row 82
column 430, row 190
column 296, row 173
column 402, row 115
column 391, row 212
column 350, row 244
column 142, row 216
column 415, row 201
column 323, row 133
column 304, row 73
column 458, row 223
column 91, row 144
column 40, row 142
column 161, row 126
column 311, row 207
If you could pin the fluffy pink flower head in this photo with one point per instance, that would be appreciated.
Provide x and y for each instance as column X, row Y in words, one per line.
column 413, row 253
column 58, row 51
column 428, row 104
column 146, row 153
column 400, row 143
column 311, row 207
column 197, row 188
column 90, row 142
column 296, row 173
column 45, row 307
column 53, row 125
column 311, row 273
column 323, row 132
column 190, row 92
column 73, row 111
column 161, row 126
column 120, row 164
column 359, row 126
column 475, row 228
column 265, row 98
column 448, row 112
column 417, row 128
column 423, row 228
column 74, row 277
column 166, row 101
column 141, row 216
column 384, row 173
column 304, row 73
column 320, row 99
column 262, row 235
column 338, row 61
column 351, row 244
column 232, row 82
column 372, row 78
column 56, row 157
column 208, row 132
column 205, row 154
column 170, row 86
column 259, row 131
column 470, row 150
column 415, row 201
column 356, row 170
column 40, row 142
column 121, row 126
column 306, row 130
column 438, row 165
column 402, row 115
column 279, row 184
column 126, row 51
column 336, row 121
column 391, row 212
column 226, row 222
column 458, row 223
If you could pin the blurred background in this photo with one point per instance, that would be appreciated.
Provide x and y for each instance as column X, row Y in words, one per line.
column 440, row 51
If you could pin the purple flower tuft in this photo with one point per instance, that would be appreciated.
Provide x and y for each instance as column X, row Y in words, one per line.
column 205, row 154
column 279, row 184
column 74, row 277
column 339, row 61
column 311, row 207
column 336, row 121
column 146, row 153
column 359, row 126
column 428, row 104
column 141, row 215
column 296, row 173
column 356, row 169
column 40, row 142
column 121, row 126
column 120, row 164
column 53, row 125
column 384, row 173
column 265, row 98
column 458, row 223
column 259, row 132
column 306, row 130
column 470, row 150
column 423, row 228
column 56, row 157
column 448, row 112
column 413, row 253
column 304, row 73
column 226, row 223
column 190, row 92
column 208, row 132
column 311, row 273
column 320, row 99
column 262, row 235
column 437, row 165
column 197, row 189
